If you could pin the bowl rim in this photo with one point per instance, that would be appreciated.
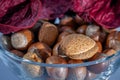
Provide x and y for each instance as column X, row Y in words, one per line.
column 23, row 60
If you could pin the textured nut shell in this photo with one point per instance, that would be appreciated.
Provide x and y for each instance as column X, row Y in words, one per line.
column 78, row 44
column 48, row 33
column 86, row 55
column 33, row 70
column 22, row 39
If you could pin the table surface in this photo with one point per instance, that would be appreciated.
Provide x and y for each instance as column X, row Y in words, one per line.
column 5, row 74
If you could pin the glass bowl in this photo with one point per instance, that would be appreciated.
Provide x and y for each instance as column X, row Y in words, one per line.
column 100, row 69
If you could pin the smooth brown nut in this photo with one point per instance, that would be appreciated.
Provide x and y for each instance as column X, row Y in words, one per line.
column 32, row 69
column 17, row 52
column 67, row 21
column 78, row 46
column 77, row 73
column 81, row 29
column 6, row 42
column 113, row 40
column 78, row 20
column 109, row 52
column 68, row 29
column 62, row 35
column 55, row 49
column 59, row 73
column 48, row 33
column 90, row 75
column 95, row 33
column 99, row 46
column 22, row 39
column 41, row 49
column 99, row 67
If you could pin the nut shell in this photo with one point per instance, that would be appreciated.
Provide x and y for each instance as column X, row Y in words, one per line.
column 77, row 73
column 31, row 69
column 59, row 73
column 78, row 46
column 113, row 40
column 22, row 39
column 48, row 33
column 41, row 49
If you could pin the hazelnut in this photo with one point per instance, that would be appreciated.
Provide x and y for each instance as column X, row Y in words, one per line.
column 22, row 39
column 6, row 42
column 78, row 20
column 67, row 21
column 31, row 69
column 48, row 33
column 55, row 49
column 95, row 33
column 17, row 52
column 99, row 67
column 109, row 52
column 90, row 75
column 78, row 46
column 66, row 29
column 99, row 46
column 62, row 35
column 41, row 49
column 59, row 73
column 113, row 40
column 77, row 73
column 81, row 29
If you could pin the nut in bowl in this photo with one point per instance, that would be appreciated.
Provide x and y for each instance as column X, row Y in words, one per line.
column 58, row 52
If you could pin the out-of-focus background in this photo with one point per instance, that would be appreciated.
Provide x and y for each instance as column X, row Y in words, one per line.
column 5, row 74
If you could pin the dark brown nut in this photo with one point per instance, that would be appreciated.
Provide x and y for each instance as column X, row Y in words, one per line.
column 37, row 26
column 22, row 39
column 113, row 40
column 66, row 29
column 109, row 52
column 55, row 49
column 57, row 52
column 32, row 69
column 48, row 33
column 41, row 49
column 79, row 20
column 81, row 29
column 90, row 75
column 99, row 67
column 62, row 35
column 67, row 21
column 99, row 46
column 77, row 73
column 6, row 42
column 59, row 73
column 95, row 33
column 17, row 52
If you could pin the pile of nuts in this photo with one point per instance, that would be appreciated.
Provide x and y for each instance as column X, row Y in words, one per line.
column 72, row 41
